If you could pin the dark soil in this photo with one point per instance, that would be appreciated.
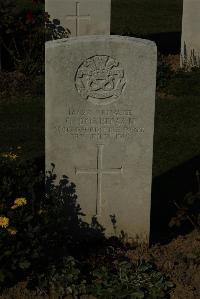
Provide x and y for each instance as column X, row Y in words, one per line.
column 179, row 260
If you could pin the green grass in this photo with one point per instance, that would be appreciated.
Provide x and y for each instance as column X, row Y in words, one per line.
column 143, row 17
column 185, row 84
column 177, row 123
column 22, row 125
column 177, row 133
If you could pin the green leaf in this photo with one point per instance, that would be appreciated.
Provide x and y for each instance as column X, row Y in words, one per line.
column 7, row 252
column 24, row 264
column 2, row 276
column 137, row 295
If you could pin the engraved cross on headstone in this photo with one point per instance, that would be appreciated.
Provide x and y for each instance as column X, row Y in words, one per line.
column 78, row 17
column 99, row 171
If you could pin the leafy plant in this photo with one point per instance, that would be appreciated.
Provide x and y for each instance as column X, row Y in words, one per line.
column 38, row 230
column 23, row 33
column 189, row 59
column 18, row 189
column 63, row 279
column 124, row 279
column 120, row 278
column 54, row 30
column 22, row 36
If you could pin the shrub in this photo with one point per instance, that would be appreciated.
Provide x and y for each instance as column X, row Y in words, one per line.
column 18, row 242
column 54, row 30
column 23, row 36
column 38, row 231
column 23, row 33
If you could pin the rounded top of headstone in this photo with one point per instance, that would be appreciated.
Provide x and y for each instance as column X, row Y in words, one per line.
column 101, row 38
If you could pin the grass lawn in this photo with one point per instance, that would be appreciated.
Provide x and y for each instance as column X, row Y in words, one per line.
column 177, row 123
column 177, row 134
column 22, row 125
column 145, row 17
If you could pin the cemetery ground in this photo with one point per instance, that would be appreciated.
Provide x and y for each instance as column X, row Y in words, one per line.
column 176, row 150
column 41, row 249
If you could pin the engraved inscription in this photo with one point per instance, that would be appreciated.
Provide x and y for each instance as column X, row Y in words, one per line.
column 77, row 17
column 99, row 171
column 100, row 79
column 100, row 124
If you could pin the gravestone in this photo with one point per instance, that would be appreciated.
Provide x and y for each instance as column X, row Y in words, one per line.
column 190, row 53
column 100, row 94
column 82, row 17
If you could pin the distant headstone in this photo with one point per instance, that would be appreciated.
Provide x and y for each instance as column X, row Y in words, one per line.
column 190, row 53
column 100, row 98
column 82, row 17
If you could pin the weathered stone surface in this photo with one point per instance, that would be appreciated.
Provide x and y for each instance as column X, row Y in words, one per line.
column 82, row 17
column 190, row 53
column 100, row 94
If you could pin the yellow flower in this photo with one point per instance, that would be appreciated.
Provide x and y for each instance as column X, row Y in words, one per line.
column 14, row 207
column 9, row 155
column 12, row 231
column 4, row 221
column 13, row 156
column 21, row 201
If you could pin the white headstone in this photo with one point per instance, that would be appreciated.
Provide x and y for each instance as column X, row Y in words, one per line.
column 100, row 95
column 190, row 53
column 82, row 17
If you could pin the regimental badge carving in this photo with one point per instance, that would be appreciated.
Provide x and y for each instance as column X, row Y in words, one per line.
column 100, row 79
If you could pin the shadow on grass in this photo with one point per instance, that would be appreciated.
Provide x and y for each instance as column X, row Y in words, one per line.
column 166, row 188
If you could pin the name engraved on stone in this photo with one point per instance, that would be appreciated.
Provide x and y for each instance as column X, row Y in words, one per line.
column 100, row 79
column 100, row 124
column 99, row 171
column 77, row 17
